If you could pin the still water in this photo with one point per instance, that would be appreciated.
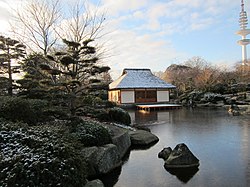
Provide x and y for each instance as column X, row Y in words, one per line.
column 220, row 141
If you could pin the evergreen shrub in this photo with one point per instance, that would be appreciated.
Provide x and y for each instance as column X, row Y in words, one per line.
column 38, row 158
column 119, row 115
column 26, row 110
column 91, row 133
column 101, row 115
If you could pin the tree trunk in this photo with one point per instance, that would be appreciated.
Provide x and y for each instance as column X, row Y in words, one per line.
column 10, row 91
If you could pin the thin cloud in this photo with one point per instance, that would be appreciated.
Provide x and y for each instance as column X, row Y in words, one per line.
column 121, row 6
column 152, row 33
column 133, row 50
column 4, row 12
column 201, row 24
column 145, row 32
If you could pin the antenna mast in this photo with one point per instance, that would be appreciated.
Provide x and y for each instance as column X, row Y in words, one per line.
column 243, row 33
column 242, row 5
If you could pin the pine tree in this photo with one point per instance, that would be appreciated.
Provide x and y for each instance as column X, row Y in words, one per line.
column 33, row 84
column 65, row 76
column 77, row 70
column 11, row 52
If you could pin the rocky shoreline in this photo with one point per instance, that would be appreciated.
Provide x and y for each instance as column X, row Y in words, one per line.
column 102, row 160
column 239, row 102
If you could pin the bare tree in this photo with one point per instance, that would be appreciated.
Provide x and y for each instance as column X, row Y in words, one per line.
column 181, row 76
column 42, row 24
column 207, row 78
column 84, row 23
column 195, row 73
column 34, row 24
column 197, row 62
column 243, row 72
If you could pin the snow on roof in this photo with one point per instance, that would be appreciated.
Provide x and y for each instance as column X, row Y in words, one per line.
column 138, row 78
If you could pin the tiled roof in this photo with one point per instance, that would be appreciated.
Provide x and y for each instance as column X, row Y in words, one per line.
column 139, row 78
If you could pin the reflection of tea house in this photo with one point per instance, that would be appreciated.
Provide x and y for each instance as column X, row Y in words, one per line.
column 139, row 86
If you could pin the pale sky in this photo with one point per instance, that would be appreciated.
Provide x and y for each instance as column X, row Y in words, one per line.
column 157, row 33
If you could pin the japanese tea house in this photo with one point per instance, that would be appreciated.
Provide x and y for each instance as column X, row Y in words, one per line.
column 139, row 86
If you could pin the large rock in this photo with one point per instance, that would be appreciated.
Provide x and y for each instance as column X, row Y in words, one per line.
column 108, row 158
column 246, row 109
column 234, row 110
column 88, row 155
column 122, row 142
column 181, row 157
column 165, row 153
column 142, row 138
column 120, row 138
column 101, row 160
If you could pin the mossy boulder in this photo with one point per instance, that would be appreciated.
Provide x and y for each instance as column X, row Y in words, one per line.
column 181, row 157
column 102, row 159
column 142, row 138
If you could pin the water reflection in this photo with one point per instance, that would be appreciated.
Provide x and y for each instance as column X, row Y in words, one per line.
column 220, row 141
column 143, row 147
column 245, row 146
column 110, row 179
column 141, row 117
column 183, row 174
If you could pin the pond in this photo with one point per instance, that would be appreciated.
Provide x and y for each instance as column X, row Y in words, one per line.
column 220, row 141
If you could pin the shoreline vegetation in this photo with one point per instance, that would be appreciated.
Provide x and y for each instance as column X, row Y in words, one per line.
column 57, row 127
column 71, row 150
column 53, row 134
column 64, row 152
column 236, row 104
column 60, row 131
